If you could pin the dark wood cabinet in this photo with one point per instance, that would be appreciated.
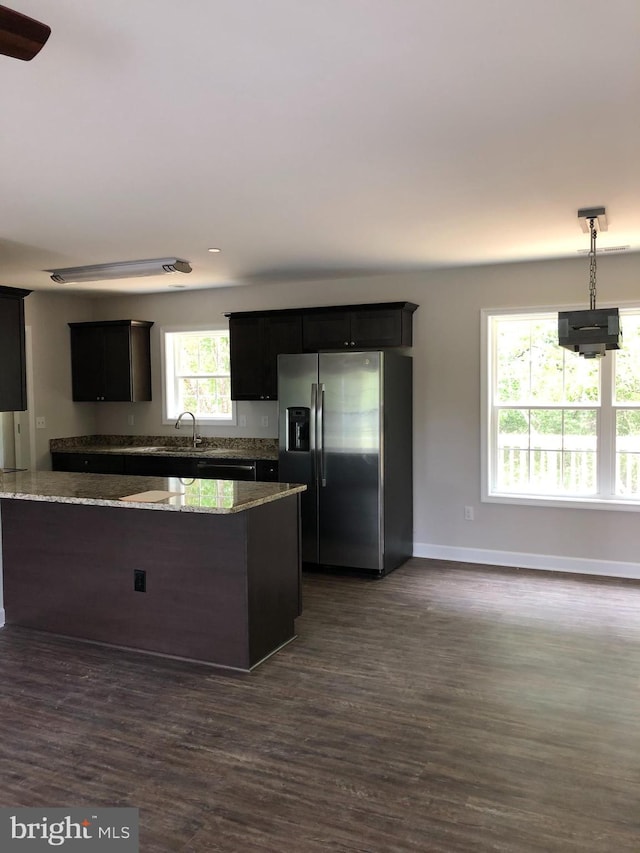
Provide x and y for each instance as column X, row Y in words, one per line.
column 13, row 384
column 92, row 463
column 258, row 337
column 256, row 340
column 376, row 326
column 111, row 361
column 159, row 465
column 267, row 470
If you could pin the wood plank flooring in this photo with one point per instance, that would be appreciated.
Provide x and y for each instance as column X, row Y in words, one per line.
column 446, row 708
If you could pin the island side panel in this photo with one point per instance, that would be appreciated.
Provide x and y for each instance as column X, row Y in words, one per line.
column 273, row 568
column 69, row 569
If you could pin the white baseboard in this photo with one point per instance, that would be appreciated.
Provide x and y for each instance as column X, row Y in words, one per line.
column 545, row 562
column 1, row 616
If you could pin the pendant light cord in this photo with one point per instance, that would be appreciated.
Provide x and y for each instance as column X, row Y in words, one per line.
column 592, row 266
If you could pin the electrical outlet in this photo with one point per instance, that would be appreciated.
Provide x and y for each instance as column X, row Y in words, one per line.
column 468, row 513
column 242, row 420
column 131, row 420
column 265, row 420
column 41, row 423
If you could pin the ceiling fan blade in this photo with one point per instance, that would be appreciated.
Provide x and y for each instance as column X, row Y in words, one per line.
column 21, row 37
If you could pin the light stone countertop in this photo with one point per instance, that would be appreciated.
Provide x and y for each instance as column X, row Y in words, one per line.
column 160, row 450
column 151, row 445
column 195, row 495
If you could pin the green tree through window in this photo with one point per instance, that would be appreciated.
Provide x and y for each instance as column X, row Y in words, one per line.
column 551, row 428
column 198, row 374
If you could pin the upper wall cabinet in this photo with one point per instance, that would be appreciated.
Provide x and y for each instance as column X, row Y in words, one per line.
column 111, row 361
column 256, row 340
column 374, row 326
column 258, row 337
column 13, row 385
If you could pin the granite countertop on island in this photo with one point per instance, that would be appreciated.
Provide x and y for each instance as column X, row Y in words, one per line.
column 186, row 494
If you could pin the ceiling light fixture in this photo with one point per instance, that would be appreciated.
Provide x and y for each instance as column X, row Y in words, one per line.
column 590, row 333
column 214, row 250
column 121, row 269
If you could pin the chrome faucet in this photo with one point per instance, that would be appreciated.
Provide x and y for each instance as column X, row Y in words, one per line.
column 196, row 438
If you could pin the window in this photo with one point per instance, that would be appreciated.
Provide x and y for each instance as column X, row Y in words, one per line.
column 197, row 375
column 558, row 427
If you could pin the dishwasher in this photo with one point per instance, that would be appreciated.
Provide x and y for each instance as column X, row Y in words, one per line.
column 212, row 469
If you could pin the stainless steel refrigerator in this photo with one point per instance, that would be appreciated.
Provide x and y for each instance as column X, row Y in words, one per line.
column 345, row 430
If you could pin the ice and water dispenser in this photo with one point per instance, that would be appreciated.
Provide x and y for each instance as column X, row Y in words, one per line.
column 298, row 429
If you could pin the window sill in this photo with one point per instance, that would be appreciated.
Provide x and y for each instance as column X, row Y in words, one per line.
column 202, row 422
column 558, row 502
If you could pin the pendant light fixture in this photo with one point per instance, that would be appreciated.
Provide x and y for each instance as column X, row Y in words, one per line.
column 590, row 333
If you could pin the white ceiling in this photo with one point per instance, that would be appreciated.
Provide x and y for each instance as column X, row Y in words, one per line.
column 311, row 138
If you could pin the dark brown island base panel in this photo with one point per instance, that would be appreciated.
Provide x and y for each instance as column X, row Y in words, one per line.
column 223, row 589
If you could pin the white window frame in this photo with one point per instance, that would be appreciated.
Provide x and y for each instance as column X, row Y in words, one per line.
column 167, row 394
column 605, row 416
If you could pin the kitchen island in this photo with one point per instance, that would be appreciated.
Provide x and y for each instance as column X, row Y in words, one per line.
column 205, row 570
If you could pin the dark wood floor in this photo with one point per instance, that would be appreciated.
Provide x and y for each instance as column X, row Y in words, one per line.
column 444, row 708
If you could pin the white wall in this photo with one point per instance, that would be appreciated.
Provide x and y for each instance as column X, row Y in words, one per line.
column 48, row 315
column 446, row 399
column 7, row 443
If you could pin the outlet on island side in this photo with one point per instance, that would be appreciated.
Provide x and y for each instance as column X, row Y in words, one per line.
column 139, row 580
column 468, row 513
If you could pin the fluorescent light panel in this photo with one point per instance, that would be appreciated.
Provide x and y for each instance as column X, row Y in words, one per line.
column 121, row 269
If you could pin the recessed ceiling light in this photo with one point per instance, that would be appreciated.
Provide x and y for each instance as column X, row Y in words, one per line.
column 215, row 250
column 177, row 285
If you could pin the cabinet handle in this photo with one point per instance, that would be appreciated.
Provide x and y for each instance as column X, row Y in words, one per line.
column 346, row 343
column 353, row 343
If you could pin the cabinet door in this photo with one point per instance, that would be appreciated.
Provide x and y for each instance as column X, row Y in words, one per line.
column 330, row 330
column 159, row 466
column 247, row 358
column 376, row 328
column 87, row 363
column 117, row 363
column 95, row 463
column 13, row 388
column 267, row 470
column 282, row 334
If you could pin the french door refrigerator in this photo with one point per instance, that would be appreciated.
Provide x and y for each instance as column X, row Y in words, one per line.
column 345, row 430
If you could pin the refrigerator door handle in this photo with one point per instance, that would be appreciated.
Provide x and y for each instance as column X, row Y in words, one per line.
column 313, row 418
column 320, row 433
column 313, row 431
